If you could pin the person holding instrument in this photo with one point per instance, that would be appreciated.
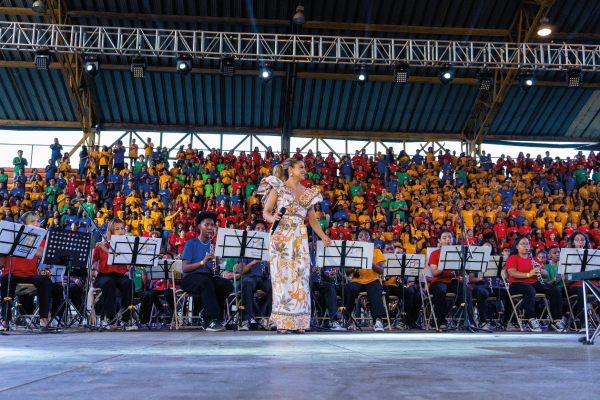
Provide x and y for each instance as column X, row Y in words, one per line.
column 290, row 260
column 111, row 277
column 198, row 278
column 445, row 281
column 368, row 280
column 577, row 240
column 525, row 278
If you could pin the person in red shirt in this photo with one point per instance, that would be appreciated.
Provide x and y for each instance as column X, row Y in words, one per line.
column 525, row 279
column 180, row 241
column 445, row 281
column 23, row 270
column 111, row 277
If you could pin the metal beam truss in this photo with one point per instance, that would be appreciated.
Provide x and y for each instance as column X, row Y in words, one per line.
column 73, row 39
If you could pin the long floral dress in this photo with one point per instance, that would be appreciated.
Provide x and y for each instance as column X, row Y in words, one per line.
column 290, row 260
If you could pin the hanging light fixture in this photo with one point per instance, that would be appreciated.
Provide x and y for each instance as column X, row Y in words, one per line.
column 40, row 6
column 299, row 17
column 545, row 29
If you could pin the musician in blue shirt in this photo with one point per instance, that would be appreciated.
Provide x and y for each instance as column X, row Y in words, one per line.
column 197, row 262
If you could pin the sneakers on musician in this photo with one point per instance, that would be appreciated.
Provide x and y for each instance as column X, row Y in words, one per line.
column 104, row 324
column 487, row 326
column 336, row 326
column 559, row 326
column 215, row 326
column 400, row 325
column 591, row 327
column 133, row 327
column 378, row 326
column 272, row 326
column 245, row 326
column 534, row 325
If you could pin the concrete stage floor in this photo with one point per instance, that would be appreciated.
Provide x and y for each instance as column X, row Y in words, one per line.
column 257, row 365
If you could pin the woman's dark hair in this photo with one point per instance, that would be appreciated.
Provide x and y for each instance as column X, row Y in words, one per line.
column 571, row 243
column 491, row 245
column 364, row 230
column 445, row 231
column 513, row 249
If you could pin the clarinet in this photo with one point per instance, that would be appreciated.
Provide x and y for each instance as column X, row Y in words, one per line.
column 264, row 276
column 215, row 265
column 538, row 274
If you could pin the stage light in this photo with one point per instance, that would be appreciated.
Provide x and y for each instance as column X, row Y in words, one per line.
column 228, row 66
column 446, row 74
column 184, row 64
column 545, row 29
column 42, row 59
column 92, row 66
column 401, row 72
column 361, row 76
column 138, row 67
column 486, row 79
column 574, row 77
column 299, row 17
column 39, row 6
column 526, row 80
column 266, row 73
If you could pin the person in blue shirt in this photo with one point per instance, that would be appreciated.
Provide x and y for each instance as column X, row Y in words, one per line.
column 382, row 165
column 61, row 181
column 519, row 220
column 199, row 279
column 325, row 204
column 69, row 218
column 51, row 170
column 129, row 188
column 418, row 158
column 141, row 176
column 213, row 173
column 347, row 168
column 157, row 156
column 459, row 180
column 17, row 191
column 342, row 215
column 447, row 168
column 505, row 192
column 165, row 195
column 3, row 190
column 543, row 183
column 555, row 184
column 56, row 151
column 223, row 196
column 506, row 204
column 119, row 160
column 43, row 202
column 191, row 170
column 570, row 183
column 276, row 161
column 146, row 187
column 485, row 161
column 116, row 179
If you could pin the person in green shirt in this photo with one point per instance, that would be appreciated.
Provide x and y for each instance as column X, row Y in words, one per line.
column 355, row 188
column 63, row 209
column 220, row 167
column 3, row 176
column 398, row 207
column 218, row 185
column 552, row 266
column 205, row 175
column 250, row 187
column 53, row 191
column 208, row 188
column 402, row 176
column 139, row 164
column 595, row 176
column 89, row 206
column 19, row 163
column 580, row 175
column 385, row 198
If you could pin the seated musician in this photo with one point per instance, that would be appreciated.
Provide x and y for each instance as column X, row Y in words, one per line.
column 444, row 282
column 324, row 280
column 393, row 288
column 368, row 280
column 256, row 277
column 524, row 280
column 577, row 240
column 26, row 271
column 111, row 277
column 197, row 275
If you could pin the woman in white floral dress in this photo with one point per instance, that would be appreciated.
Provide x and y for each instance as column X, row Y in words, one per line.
column 290, row 261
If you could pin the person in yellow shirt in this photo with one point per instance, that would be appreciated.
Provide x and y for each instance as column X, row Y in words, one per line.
column 165, row 178
column 364, row 218
column 96, row 154
column 368, row 280
column 103, row 159
column 467, row 216
column 185, row 198
column 133, row 152
column 136, row 224
column 148, row 149
column 65, row 167
column 359, row 201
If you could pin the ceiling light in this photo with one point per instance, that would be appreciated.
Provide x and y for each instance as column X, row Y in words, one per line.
column 574, row 77
column 446, row 74
column 544, row 29
column 485, row 79
column 138, row 67
column 401, row 72
column 266, row 73
column 184, row 64
column 39, row 6
column 299, row 17
column 526, row 79
column 92, row 66
column 361, row 76
column 42, row 59
column 228, row 66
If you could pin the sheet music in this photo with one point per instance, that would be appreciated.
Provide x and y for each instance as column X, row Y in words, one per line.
column 571, row 260
column 358, row 254
column 229, row 243
column 451, row 256
column 157, row 271
column 492, row 267
column 148, row 251
column 415, row 263
column 30, row 241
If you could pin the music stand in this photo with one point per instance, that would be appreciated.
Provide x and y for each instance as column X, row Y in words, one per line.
column 403, row 265
column 21, row 241
column 71, row 249
column 457, row 258
column 238, row 243
column 573, row 261
column 133, row 251
column 162, row 270
column 345, row 254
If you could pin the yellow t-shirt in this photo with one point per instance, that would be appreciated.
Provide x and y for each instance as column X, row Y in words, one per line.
column 148, row 150
column 133, row 148
column 368, row 275
column 103, row 158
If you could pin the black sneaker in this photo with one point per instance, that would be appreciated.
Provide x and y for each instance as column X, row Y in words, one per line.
column 215, row 326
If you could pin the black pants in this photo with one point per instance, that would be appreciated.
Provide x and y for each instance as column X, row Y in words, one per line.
column 405, row 295
column 214, row 292
column 250, row 285
column 481, row 294
column 329, row 299
column 374, row 294
column 76, row 296
column 109, row 283
column 119, row 166
column 577, row 290
column 438, row 292
column 42, row 283
column 528, row 290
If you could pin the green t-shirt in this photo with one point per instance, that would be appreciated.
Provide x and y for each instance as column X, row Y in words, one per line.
column 218, row 187
column 309, row 175
column 580, row 176
column 385, row 202
column 552, row 269
column 205, row 177
column 220, row 167
column 208, row 189
column 353, row 190
column 462, row 174
column 402, row 176
column 137, row 280
column 21, row 164
column 53, row 193
column 64, row 209
column 595, row 177
column 89, row 208
column 180, row 179
column 229, row 264
column 138, row 166
column 395, row 204
column 249, row 188
column 3, row 178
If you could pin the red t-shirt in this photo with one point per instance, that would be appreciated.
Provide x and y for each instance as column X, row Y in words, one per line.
column 522, row 265
column 22, row 267
column 103, row 267
column 445, row 276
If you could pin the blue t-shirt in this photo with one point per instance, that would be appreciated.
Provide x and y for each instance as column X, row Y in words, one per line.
column 418, row 158
column 382, row 166
column 223, row 197
column 275, row 163
column 194, row 251
column 325, row 206
column 485, row 162
column 256, row 269
column 347, row 168
column 507, row 193
column 50, row 171
column 341, row 216
column 119, row 155
column 519, row 221
column 392, row 187
column 56, row 148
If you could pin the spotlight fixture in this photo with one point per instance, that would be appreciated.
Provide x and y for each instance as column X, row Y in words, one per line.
column 39, row 6
column 486, row 79
column 526, row 79
column 266, row 73
column 545, row 29
column 184, row 64
column 361, row 76
column 446, row 73
column 299, row 17
column 401, row 72
column 228, row 65
column 91, row 64
column 138, row 67
column 574, row 77
column 42, row 59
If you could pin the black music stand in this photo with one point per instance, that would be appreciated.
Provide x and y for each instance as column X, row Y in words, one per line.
column 401, row 266
column 494, row 271
column 160, row 271
column 345, row 255
column 133, row 251
column 463, row 259
column 71, row 249
column 21, row 241
column 232, row 243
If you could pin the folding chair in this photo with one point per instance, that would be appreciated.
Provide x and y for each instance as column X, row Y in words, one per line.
column 519, row 299
column 181, row 302
column 19, row 313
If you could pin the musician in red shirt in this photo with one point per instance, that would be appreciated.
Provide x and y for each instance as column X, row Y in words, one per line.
column 111, row 277
column 445, row 281
column 26, row 271
column 523, row 279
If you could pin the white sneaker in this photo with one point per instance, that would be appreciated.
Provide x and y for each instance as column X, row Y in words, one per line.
column 54, row 323
column 336, row 326
column 487, row 326
column 133, row 327
column 534, row 325
column 378, row 326
column 559, row 326
column 400, row 325
column 245, row 326
column 104, row 324
column 215, row 326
